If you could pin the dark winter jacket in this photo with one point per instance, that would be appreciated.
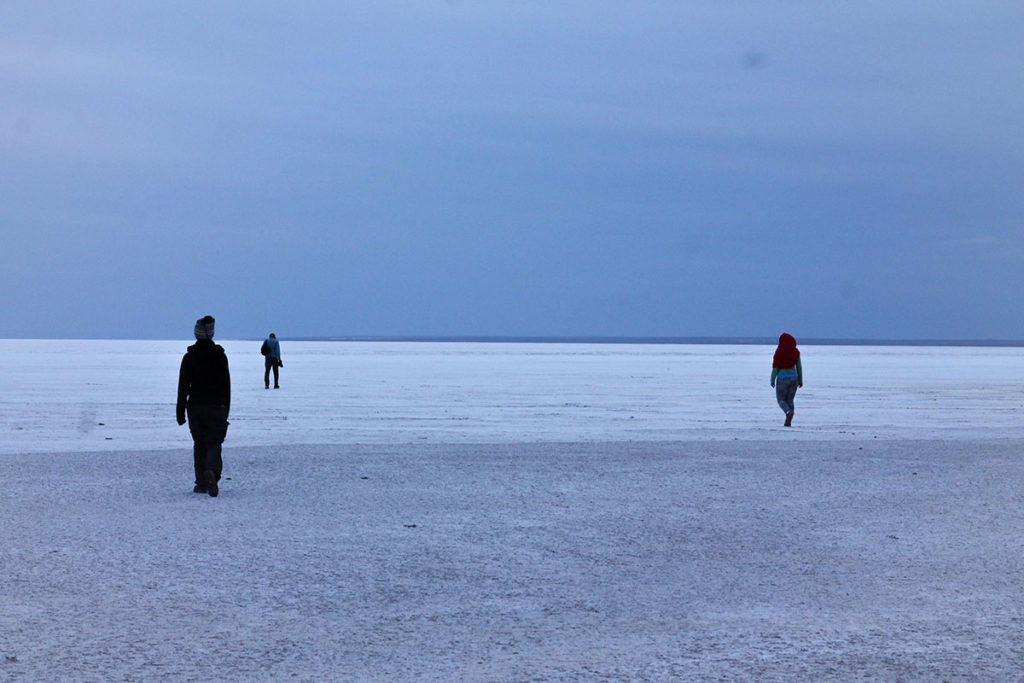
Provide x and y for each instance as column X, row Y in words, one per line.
column 204, row 379
column 273, row 348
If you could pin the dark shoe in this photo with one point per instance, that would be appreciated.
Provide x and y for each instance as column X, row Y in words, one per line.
column 199, row 488
column 789, row 419
column 211, row 484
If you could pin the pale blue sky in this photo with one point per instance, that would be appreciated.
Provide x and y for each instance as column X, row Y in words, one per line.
column 846, row 169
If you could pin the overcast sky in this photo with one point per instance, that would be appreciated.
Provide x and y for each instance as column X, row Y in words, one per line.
column 498, row 167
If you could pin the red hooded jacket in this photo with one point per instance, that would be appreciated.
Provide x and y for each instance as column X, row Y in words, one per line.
column 786, row 355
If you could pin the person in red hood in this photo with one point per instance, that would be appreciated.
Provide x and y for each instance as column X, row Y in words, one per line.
column 787, row 374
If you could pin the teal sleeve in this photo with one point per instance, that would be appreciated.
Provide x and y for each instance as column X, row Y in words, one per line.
column 799, row 372
column 775, row 373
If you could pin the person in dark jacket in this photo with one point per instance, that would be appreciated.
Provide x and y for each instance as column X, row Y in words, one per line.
column 271, row 351
column 204, row 395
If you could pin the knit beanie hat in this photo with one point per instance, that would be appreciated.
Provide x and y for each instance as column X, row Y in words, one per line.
column 204, row 327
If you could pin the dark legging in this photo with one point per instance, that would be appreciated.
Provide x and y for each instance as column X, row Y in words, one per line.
column 268, row 364
column 209, row 425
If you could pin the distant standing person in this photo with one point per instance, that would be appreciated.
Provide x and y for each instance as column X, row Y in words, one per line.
column 271, row 351
column 787, row 375
column 204, row 395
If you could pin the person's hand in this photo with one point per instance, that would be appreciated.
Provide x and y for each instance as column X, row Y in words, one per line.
column 773, row 384
column 801, row 385
column 181, row 421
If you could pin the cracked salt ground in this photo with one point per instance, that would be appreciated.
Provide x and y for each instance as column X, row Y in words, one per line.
column 520, row 562
column 821, row 557
column 399, row 393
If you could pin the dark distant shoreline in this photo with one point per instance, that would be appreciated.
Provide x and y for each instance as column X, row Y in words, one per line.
column 681, row 341
column 725, row 341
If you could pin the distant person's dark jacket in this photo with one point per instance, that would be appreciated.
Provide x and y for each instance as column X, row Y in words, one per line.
column 273, row 348
column 204, row 379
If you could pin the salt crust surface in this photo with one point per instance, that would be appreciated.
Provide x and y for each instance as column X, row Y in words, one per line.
column 878, row 539
column 119, row 395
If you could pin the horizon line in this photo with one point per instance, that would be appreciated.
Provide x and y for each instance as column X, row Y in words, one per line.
column 643, row 339
column 587, row 339
column 591, row 339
